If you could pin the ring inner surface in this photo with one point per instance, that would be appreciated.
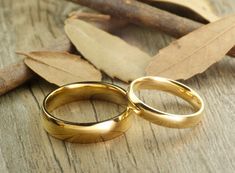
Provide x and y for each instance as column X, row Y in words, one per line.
column 79, row 92
column 170, row 87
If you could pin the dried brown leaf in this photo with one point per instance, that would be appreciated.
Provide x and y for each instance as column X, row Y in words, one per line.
column 107, row 52
column 195, row 52
column 61, row 68
column 200, row 7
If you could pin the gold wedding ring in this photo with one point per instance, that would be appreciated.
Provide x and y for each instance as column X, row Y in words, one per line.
column 113, row 127
column 163, row 118
column 86, row 132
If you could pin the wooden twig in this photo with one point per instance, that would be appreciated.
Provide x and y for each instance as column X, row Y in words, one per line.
column 143, row 14
column 13, row 76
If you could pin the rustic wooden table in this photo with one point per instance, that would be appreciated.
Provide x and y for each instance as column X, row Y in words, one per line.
column 26, row 147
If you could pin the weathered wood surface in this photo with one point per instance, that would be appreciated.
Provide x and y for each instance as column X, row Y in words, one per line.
column 26, row 147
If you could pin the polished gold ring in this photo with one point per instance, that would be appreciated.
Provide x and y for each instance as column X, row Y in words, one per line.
column 86, row 132
column 163, row 118
column 113, row 127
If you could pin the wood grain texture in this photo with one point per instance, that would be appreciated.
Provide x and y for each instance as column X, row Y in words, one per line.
column 26, row 147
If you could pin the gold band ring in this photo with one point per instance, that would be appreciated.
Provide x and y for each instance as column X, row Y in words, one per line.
column 86, row 132
column 160, row 117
